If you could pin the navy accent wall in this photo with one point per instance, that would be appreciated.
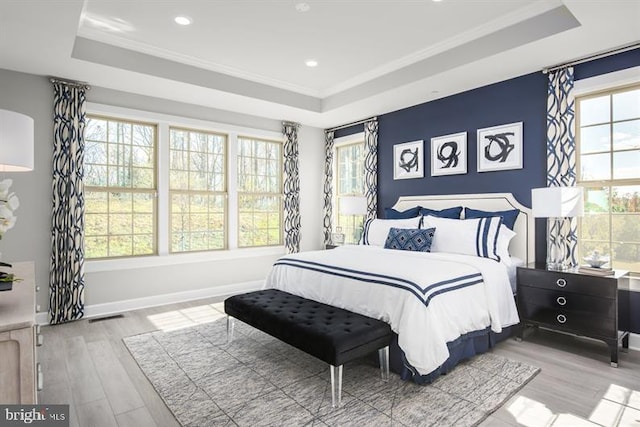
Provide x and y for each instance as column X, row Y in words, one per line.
column 522, row 99
column 606, row 65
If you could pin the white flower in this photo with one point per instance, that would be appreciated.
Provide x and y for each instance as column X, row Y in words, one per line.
column 13, row 202
column 4, row 188
column 8, row 203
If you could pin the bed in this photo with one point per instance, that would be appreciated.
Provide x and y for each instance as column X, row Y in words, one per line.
column 443, row 307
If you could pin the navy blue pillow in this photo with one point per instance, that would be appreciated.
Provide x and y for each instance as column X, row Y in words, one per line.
column 390, row 213
column 453, row 213
column 508, row 217
column 410, row 239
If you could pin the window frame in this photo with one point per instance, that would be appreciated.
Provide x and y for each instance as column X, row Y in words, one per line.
column 280, row 193
column 339, row 143
column 132, row 190
column 224, row 194
column 163, row 257
column 586, row 94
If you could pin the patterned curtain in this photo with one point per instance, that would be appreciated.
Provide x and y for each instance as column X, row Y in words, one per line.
column 371, row 167
column 328, row 186
column 561, row 158
column 66, row 276
column 291, row 188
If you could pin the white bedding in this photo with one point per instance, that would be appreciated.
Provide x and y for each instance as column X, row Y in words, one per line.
column 429, row 299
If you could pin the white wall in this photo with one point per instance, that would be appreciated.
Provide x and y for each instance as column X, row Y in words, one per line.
column 30, row 239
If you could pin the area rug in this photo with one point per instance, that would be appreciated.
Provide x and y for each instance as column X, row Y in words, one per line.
column 259, row 381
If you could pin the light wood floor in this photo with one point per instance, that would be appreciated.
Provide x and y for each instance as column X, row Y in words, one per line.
column 87, row 365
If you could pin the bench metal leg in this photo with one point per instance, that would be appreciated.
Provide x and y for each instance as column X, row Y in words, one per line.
column 336, row 385
column 231, row 322
column 383, row 355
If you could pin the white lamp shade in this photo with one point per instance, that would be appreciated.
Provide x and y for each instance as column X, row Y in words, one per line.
column 353, row 205
column 16, row 142
column 557, row 202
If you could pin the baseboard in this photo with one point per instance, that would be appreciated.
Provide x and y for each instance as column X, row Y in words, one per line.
column 106, row 309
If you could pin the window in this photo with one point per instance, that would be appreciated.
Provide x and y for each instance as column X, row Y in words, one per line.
column 120, row 188
column 259, row 192
column 197, row 187
column 350, row 182
column 164, row 185
column 609, row 170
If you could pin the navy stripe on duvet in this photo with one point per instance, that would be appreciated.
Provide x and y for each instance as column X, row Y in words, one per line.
column 423, row 294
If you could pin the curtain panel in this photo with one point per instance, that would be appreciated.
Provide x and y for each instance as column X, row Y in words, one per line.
column 66, row 275
column 328, row 186
column 561, row 157
column 291, row 188
column 371, row 167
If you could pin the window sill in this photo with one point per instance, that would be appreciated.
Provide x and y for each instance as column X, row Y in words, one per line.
column 131, row 263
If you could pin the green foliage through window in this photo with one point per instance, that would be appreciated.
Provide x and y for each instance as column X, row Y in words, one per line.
column 120, row 185
column 259, row 192
column 609, row 160
column 197, row 183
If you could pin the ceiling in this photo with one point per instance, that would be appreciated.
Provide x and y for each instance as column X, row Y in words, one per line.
column 249, row 56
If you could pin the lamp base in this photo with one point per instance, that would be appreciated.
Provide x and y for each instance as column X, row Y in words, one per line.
column 558, row 256
column 557, row 266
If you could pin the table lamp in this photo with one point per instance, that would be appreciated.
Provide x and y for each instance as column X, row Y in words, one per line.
column 557, row 204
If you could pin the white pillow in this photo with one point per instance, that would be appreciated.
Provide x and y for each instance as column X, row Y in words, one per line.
column 504, row 237
column 376, row 230
column 477, row 236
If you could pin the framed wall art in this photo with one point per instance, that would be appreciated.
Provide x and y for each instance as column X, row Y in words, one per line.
column 449, row 154
column 500, row 147
column 408, row 160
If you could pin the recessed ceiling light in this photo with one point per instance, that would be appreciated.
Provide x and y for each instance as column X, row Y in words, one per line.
column 182, row 20
column 437, row 1
column 303, row 7
column 311, row 63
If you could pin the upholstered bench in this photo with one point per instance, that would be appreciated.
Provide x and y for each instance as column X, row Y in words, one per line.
column 331, row 334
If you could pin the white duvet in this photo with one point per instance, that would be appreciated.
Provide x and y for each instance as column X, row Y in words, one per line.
column 428, row 299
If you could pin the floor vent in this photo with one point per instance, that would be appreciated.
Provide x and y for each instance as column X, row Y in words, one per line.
column 100, row 319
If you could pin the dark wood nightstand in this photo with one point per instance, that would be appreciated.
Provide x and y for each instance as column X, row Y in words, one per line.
column 330, row 246
column 581, row 304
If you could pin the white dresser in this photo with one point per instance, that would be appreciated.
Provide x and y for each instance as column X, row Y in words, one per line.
column 20, row 374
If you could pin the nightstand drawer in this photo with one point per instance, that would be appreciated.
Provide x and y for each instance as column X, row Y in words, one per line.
column 577, row 322
column 604, row 308
column 604, row 287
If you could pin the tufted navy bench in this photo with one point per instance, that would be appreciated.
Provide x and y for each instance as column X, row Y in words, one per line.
column 331, row 334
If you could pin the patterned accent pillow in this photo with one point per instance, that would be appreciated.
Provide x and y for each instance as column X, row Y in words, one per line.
column 410, row 239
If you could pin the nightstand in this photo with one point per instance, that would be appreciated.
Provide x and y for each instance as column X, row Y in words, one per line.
column 580, row 304
column 330, row 246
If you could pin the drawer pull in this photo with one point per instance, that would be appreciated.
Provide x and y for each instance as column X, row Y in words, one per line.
column 561, row 282
column 561, row 318
column 40, row 379
column 39, row 340
column 561, row 300
column 37, row 288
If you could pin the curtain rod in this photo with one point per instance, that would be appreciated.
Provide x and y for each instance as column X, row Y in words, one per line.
column 350, row 124
column 592, row 57
column 70, row 82
column 285, row 123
